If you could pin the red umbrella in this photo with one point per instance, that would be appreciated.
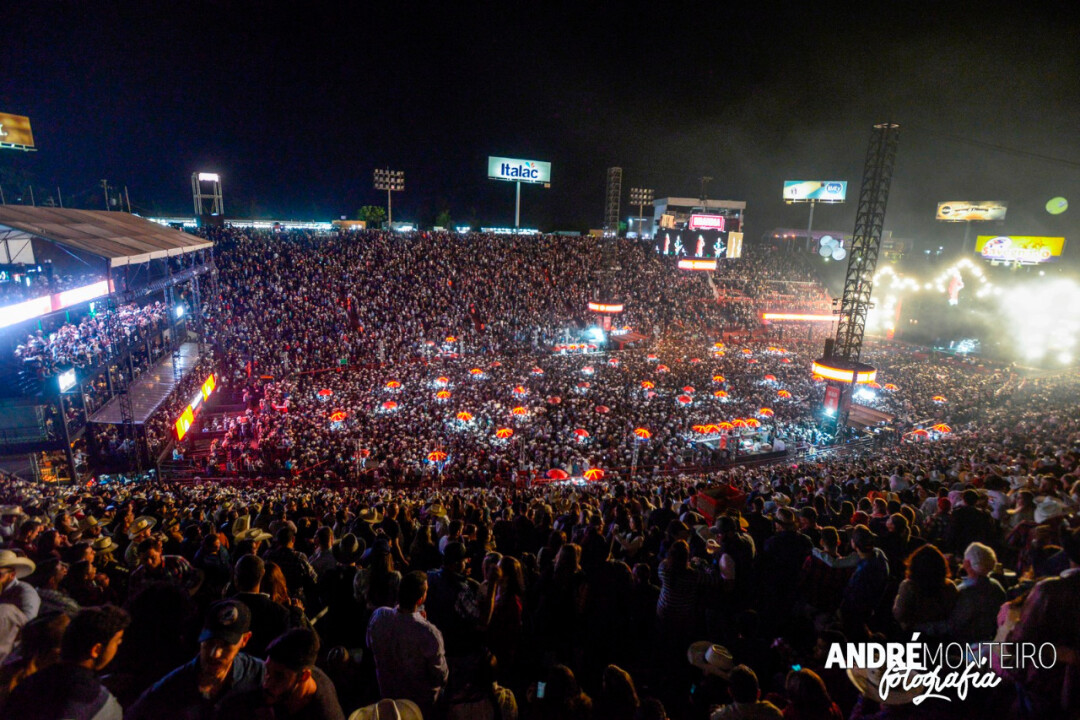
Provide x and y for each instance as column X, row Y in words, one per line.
column 783, row 394
column 504, row 433
column 662, row 368
column 890, row 386
column 770, row 378
column 582, row 433
column 747, row 351
column 442, row 380
column 602, row 409
column 648, row 384
column 519, row 411
column 326, row 392
column 718, row 378
column 688, row 390
column 700, row 429
column 785, row 360
column 557, row 474
column 436, row 456
column 451, row 339
column 393, row 384
column 554, row 400
column 476, row 371
column 613, row 362
column 464, row 416
column 650, row 357
column 442, row 395
column 765, row 412
column 588, row 370
column 520, row 390
column 751, row 422
column 720, row 394
column 738, row 422
column 338, row 416
column 685, row 399
column 695, row 361
column 939, row 399
column 584, row 385
column 537, row 371
column 752, row 361
column 389, row 405
column 942, row 428
column 642, row 433
column 496, row 364
column 594, row 474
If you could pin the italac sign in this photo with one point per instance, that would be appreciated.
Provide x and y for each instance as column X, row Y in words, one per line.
column 518, row 170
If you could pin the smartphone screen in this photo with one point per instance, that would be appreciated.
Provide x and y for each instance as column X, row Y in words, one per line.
column 540, row 687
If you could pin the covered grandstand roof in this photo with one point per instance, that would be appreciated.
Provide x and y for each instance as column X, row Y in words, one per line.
column 119, row 237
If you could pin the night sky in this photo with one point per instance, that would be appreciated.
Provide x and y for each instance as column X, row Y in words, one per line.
column 295, row 104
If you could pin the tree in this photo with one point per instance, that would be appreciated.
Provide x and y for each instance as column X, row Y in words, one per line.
column 373, row 215
column 443, row 219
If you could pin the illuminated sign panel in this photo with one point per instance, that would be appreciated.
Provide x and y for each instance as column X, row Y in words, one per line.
column 826, row 191
column 697, row 264
column 28, row 310
column 66, row 380
column 798, row 317
column 15, row 132
column 82, row 294
column 734, row 245
column 606, row 307
column 832, row 399
column 961, row 211
column 707, row 222
column 184, row 423
column 1024, row 249
column 843, row 375
column 516, row 170
column 208, row 387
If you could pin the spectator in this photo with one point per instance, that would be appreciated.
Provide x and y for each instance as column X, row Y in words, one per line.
column 268, row 618
column 12, row 590
column 292, row 685
column 71, row 688
column 410, row 658
column 745, row 699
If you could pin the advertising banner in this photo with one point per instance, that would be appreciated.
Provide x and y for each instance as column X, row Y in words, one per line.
column 15, row 130
column 706, row 222
column 832, row 399
column 516, row 170
column 960, row 211
column 1024, row 249
column 826, row 191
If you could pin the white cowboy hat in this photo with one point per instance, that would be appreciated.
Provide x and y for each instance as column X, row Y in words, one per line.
column 389, row 710
column 1048, row 507
column 867, row 682
column 144, row 522
column 711, row 659
column 23, row 566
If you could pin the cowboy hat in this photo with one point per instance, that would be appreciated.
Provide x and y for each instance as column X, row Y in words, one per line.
column 22, row 566
column 1048, row 507
column 348, row 549
column 144, row 522
column 105, row 545
column 254, row 535
column 11, row 511
column 867, row 682
column 369, row 515
column 711, row 659
column 389, row 710
column 437, row 510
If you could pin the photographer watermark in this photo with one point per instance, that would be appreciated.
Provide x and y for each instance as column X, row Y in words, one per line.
column 896, row 673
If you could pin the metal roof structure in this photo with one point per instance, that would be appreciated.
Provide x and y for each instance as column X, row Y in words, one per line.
column 119, row 237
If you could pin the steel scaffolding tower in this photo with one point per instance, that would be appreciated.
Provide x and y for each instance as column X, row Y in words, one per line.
column 611, row 205
column 866, row 243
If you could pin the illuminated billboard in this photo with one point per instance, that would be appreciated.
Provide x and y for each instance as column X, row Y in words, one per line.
column 515, row 170
column 734, row 246
column 697, row 264
column 706, row 222
column 184, row 422
column 959, row 211
column 1024, row 249
column 826, row 191
column 66, row 380
column 15, row 132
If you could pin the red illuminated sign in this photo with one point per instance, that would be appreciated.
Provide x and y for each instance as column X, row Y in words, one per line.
column 697, row 264
column 707, row 222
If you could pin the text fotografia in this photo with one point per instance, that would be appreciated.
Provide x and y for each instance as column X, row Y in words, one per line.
column 935, row 670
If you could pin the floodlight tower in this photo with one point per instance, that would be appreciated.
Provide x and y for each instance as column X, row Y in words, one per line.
column 641, row 197
column 391, row 181
column 840, row 365
column 217, row 205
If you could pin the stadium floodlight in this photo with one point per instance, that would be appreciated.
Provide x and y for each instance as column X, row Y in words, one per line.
column 641, row 197
column 209, row 177
column 391, row 181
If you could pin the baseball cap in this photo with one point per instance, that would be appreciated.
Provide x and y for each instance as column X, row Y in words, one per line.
column 226, row 620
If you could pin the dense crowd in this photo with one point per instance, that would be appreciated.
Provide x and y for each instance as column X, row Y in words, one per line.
column 88, row 342
column 393, row 571
column 616, row 597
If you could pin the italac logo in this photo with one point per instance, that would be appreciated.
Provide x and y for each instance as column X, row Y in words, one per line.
column 915, row 671
column 522, row 170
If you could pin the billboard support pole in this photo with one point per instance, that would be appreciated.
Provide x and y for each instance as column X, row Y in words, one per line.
column 517, row 205
column 810, row 225
column 967, row 233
